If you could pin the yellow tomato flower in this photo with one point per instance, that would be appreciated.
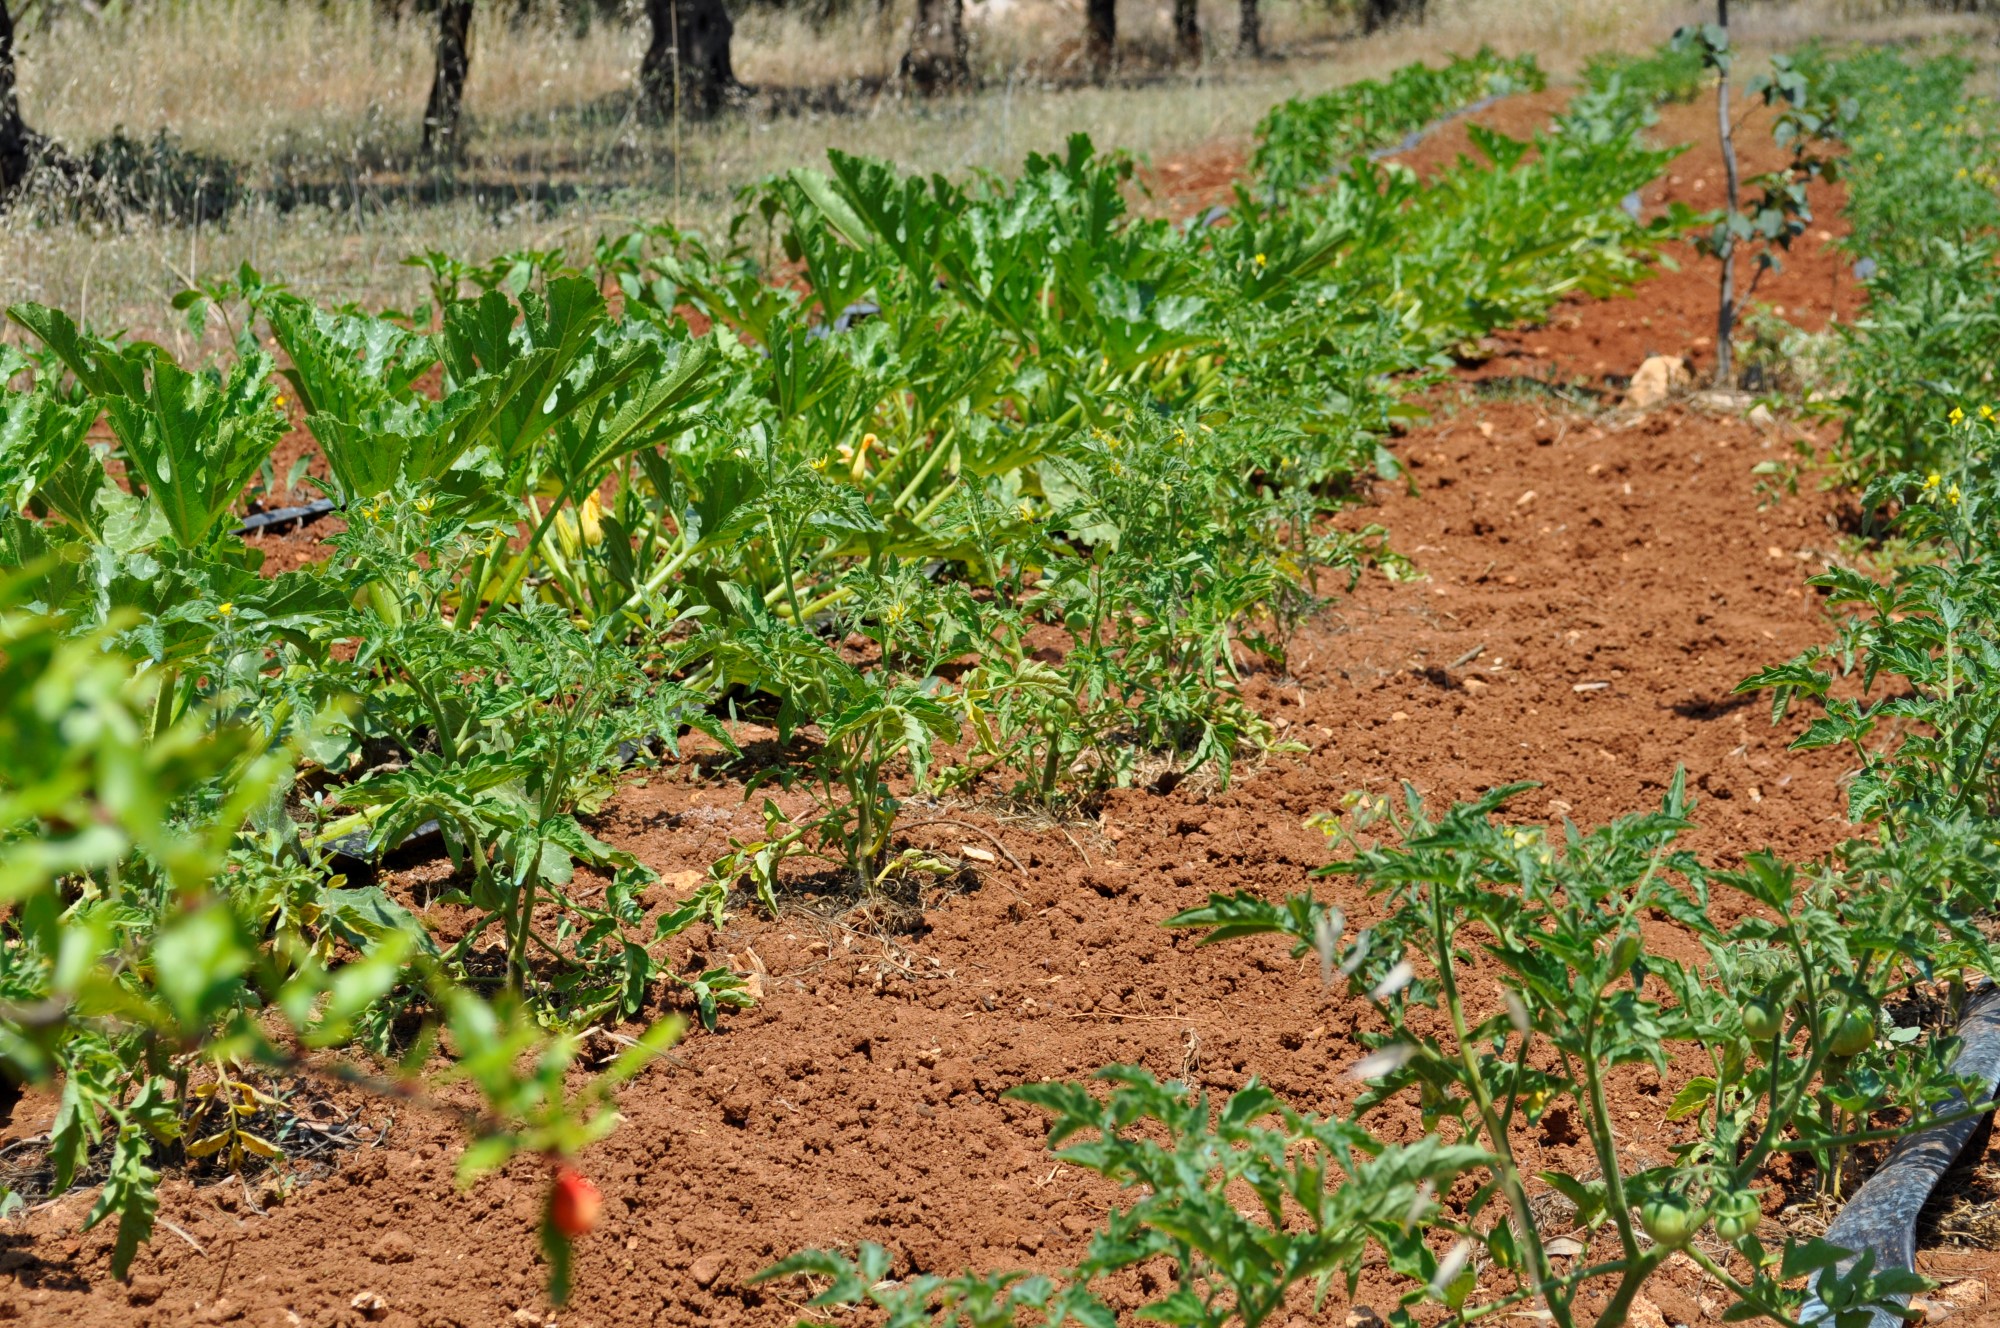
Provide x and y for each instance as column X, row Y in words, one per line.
column 1260, row 260
column 1932, row 480
column 1951, row 495
column 1957, row 416
column 225, row 610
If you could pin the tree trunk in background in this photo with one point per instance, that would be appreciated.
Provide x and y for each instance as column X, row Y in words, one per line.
column 17, row 141
column 1100, row 32
column 698, row 52
column 1249, row 33
column 1187, row 28
column 936, row 58
column 454, row 59
column 1378, row 14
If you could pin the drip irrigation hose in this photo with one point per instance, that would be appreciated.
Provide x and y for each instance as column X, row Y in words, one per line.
column 1881, row 1218
column 284, row 516
column 356, row 843
column 1418, row 135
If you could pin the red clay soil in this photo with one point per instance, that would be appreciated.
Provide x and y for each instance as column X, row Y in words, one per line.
column 1594, row 587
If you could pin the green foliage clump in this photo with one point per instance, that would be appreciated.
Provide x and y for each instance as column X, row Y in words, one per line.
column 1306, row 139
column 1922, row 170
column 1674, row 72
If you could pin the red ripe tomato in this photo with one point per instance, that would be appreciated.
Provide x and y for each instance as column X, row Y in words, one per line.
column 574, row 1204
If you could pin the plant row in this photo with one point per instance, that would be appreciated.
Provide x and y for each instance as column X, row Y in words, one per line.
column 996, row 486
column 1923, row 165
column 1307, row 139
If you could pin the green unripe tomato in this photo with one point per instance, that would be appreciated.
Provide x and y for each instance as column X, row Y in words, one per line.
column 1670, row 1220
column 1624, row 954
column 1763, row 1018
column 1854, row 1034
column 1737, row 1215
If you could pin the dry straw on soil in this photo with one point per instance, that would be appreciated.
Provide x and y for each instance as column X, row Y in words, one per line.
column 318, row 105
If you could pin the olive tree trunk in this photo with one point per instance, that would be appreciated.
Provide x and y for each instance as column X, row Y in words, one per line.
column 18, row 143
column 687, row 67
column 1100, row 32
column 24, row 152
column 1379, row 14
column 1187, row 29
column 936, row 58
column 454, row 61
column 1249, row 31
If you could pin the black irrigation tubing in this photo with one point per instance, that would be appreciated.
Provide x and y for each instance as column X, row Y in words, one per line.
column 356, row 845
column 1418, row 135
column 1881, row 1218
column 285, row 516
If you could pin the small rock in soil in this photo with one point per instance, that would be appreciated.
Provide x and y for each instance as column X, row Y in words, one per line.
column 1645, row 1314
column 1658, row 378
column 372, row 1307
column 144, row 1290
column 1362, row 1316
column 1933, row 1311
column 707, row 1268
column 393, row 1247
column 1965, row 1294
